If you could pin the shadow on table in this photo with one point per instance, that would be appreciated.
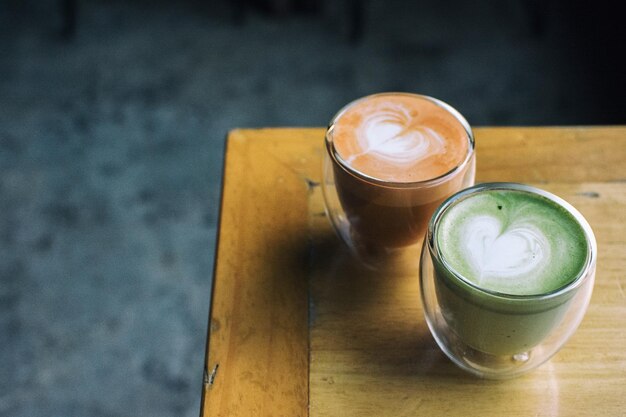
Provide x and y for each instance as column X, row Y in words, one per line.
column 373, row 316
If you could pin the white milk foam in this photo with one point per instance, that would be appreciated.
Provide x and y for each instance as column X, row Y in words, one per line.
column 495, row 253
column 389, row 132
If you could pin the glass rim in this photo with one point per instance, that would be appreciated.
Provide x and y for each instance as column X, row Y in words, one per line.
column 578, row 281
column 339, row 161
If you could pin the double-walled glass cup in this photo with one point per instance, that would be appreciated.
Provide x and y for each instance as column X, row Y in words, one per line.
column 375, row 217
column 492, row 334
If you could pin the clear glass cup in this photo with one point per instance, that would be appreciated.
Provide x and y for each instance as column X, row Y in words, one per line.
column 376, row 218
column 488, row 333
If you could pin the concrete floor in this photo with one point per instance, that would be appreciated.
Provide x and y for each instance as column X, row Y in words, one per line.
column 111, row 154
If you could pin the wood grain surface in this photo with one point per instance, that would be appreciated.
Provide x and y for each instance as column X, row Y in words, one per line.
column 298, row 328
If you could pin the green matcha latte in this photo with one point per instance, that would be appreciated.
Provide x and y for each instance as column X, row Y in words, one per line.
column 506, row 264
column 512, row 242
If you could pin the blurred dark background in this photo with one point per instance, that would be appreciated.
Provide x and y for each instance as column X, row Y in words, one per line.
column 112, row 121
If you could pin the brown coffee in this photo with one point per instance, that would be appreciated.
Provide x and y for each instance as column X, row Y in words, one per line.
column 396, row 157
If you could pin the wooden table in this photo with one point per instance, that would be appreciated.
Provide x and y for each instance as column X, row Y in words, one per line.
column 298, row 329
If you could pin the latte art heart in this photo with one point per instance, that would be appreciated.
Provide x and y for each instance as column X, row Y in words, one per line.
column 392, row 134
column 512, row 241
column 495, row 252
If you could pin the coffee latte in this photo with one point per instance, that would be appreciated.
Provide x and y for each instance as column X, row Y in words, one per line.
column 394, row 157
column 399, row 138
